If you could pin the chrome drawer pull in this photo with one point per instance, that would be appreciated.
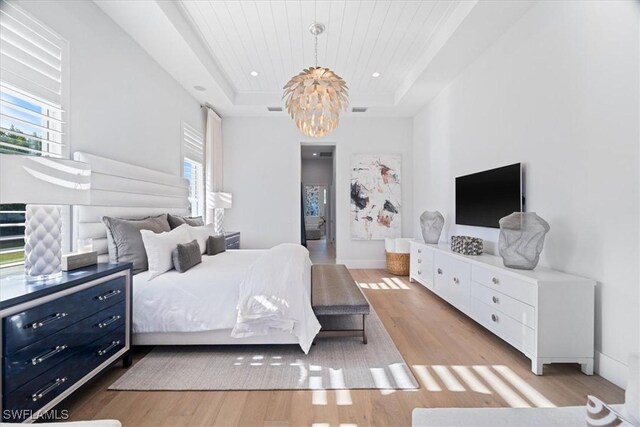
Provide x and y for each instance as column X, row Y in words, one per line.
column 456, row 280
column 495, row 300
column 43, row 322
column 108, row 321
column 419, row 251
column 109, row 295
column 109, row 347
column 44, row 391
column 494, row 318
column 42, row 358
column 419, row 261
column 419, row 272
column 495, row 280
column 439, row 271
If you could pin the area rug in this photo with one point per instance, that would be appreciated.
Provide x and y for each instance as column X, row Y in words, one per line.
column 332, row 363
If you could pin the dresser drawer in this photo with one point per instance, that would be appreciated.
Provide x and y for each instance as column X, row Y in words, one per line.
column 422, row 262
column 518, row 289
column 513, row 308
column 34, row 359
column 44, row 388
column 515, row 333
column 31, row 325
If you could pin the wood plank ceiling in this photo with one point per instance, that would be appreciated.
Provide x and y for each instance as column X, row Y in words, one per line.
column 361, row 38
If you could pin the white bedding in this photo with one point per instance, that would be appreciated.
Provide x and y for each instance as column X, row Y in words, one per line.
column 274, row 299
column 257, row 293
column 202, row 299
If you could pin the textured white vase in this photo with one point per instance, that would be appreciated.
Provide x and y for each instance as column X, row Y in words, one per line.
column 431, row 224
column 43, row 242
column 522, row 239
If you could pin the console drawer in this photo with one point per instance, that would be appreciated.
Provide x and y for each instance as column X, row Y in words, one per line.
column 34, row 359
column 515, row 288
column 515, row 333
column 36, row 323
column 518, row 310
column 44, row 388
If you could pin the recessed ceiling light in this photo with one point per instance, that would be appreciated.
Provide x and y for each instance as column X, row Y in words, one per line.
column 254, row 73
column 375, row 74
column 315, row 154
column 200, row 88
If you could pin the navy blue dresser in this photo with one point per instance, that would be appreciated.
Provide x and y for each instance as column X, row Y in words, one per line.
column 57, row 335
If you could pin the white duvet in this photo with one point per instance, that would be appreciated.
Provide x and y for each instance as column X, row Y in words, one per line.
column 223, row 292
column 272, row 298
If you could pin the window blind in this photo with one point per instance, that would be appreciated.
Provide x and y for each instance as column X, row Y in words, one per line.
column 31, row 86
column 31, row 108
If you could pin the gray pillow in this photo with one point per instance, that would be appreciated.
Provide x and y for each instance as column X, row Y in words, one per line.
column 216, row 244
column 125, row 241
column 186, row 255
column 176, row 221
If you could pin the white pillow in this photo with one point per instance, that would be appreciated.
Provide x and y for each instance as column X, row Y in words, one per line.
column 159, row 247
column 201, row 234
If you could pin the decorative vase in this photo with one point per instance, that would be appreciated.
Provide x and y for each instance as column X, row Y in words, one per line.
column 521, row 239
column 432, row 224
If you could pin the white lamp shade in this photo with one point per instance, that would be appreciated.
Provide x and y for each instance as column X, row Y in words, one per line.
column 218, row 200
column 44, row 180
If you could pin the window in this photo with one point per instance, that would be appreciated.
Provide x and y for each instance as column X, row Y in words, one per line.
column 31, row 108
column 193, row 167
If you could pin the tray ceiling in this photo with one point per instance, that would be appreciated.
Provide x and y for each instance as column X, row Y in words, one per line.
column 212, row 46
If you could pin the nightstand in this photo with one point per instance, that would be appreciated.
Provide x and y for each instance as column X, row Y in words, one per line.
column 233, row 239
column 58, row 334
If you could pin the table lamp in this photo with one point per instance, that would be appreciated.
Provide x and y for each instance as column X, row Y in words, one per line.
column 219, row 201
column 44, row 183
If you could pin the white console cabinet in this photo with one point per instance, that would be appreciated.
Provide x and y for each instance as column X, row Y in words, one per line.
column 545, row 314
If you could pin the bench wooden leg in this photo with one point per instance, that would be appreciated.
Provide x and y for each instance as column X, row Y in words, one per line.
column 364, row 328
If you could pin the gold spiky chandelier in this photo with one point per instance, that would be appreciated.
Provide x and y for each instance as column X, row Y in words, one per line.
column 316, row 97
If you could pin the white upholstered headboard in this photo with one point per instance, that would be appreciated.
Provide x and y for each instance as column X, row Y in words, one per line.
column 124, row 190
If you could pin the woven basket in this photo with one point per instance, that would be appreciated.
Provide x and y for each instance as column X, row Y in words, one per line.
column 397, row 264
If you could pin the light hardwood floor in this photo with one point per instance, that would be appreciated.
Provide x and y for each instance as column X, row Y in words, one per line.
column 457, row 362
column 321, row 251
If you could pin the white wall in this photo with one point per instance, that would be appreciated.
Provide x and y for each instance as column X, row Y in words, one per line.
column 123, row 105
column 317, row 171
column 262, row 170
column 558, row 92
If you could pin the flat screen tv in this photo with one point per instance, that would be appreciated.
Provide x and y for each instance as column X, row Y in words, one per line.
column 483, row 198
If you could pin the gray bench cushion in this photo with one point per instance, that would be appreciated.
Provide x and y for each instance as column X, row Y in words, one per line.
column 334, row 292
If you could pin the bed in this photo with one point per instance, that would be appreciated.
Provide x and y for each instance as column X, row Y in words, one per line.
column 192, row 308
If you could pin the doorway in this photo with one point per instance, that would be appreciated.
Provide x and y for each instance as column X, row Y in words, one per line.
column 318, row 202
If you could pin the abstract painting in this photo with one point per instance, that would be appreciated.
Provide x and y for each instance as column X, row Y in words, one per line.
column 376, row 196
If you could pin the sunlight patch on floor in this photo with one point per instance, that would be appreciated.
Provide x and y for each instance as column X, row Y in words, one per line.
column 448, row 379
column 523, row 387
column 511, row 397
column 467, row 376
column 387, row 284
column 483, row 379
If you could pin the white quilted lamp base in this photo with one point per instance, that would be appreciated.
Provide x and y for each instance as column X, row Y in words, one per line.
column 43, row 242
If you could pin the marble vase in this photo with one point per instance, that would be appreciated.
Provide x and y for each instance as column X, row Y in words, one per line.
column 431, row 224
column 521, row 239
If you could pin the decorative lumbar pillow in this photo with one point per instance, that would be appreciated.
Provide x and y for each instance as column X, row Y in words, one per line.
column 125, row 242
column 159, row 247
column 201, row 234
column 176, row 221
column 186, row 255
column 599, row 414
column 216, row 244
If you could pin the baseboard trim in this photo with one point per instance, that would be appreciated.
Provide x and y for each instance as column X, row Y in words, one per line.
column 611, row 369
column 363, row 263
